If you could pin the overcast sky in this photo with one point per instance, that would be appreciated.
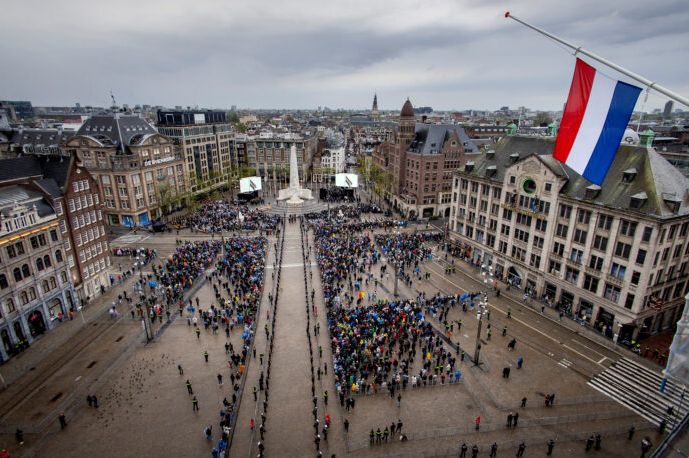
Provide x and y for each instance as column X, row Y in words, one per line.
column 449, row 54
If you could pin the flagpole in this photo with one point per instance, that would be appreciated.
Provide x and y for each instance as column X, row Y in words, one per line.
column 579, row 50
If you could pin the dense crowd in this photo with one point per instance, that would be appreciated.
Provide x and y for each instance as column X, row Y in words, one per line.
column 407, row 248
column 237, row 283
column 218, row 216
column 182, row 268
column 375, row 344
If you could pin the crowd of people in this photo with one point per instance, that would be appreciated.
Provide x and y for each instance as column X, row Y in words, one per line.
column 218, row 216
column 185, row 266
column 375, row 342
column 237, row 283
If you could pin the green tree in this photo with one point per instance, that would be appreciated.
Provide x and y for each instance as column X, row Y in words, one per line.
column 542, row 119
column 233, row 117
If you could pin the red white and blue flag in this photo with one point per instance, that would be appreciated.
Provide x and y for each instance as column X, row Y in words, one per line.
column 595, row 118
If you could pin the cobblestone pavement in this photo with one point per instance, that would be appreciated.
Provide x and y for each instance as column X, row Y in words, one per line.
column 145, row 409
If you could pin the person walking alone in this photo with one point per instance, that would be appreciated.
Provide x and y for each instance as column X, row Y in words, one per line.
column 520, row 450
column 494, row 450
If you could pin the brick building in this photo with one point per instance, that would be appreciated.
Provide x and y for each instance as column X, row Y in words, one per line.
column 73, row 194
column 422, row 160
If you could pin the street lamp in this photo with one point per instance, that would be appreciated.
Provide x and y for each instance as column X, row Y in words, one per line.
column 146, row 318
column 483, row 311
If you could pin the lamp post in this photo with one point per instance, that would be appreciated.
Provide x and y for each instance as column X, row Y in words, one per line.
column 487, row 274
column 481, row 312
column 146, row 318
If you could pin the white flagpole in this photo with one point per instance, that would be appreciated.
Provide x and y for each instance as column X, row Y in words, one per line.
column 579, row 50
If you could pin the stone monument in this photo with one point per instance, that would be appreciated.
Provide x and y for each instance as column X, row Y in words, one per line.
column 294, row 194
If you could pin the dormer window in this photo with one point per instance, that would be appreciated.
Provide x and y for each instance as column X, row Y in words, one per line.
column 490, row 154
column 592, row 191
column 638, row 200
column 672, row 201
column 491, row 170
column 469, row 166
column 629, row 175
column 514, row 157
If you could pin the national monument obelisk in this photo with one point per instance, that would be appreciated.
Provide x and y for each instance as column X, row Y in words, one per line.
column 294, row 194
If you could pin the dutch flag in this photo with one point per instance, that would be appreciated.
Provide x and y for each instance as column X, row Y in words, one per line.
column 593, row 123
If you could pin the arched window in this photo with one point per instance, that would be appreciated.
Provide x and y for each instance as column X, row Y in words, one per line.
column 17, row 274
column 53, row 283
column 39, row 264
column 47, row 261
column 26, row 271
column 3, row 281
column 63, row 277
column 24, row 298
column 32, row 293
column 45, row 286
column 58, row 256
column 10, row 305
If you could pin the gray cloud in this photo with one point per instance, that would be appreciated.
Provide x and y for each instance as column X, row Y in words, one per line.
column 303, row 53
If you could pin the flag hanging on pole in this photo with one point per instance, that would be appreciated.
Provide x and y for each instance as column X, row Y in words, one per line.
column 596, row 115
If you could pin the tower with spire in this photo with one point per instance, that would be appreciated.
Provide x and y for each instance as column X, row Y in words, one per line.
column 375, row 115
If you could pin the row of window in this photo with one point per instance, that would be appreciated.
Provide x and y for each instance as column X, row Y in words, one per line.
column 85, row 201
column 86, row 218
column 29, row 294
column 23, row 272
column 94, row 268
column 81, row 185
column 37, row 241
column 89, row 236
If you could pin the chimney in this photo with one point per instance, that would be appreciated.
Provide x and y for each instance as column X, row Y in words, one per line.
column 423, row 119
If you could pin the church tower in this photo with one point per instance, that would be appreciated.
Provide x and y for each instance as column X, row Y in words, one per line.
column 375, row 115
column 405, row 136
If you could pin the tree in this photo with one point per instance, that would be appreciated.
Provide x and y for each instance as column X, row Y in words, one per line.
column 241, row 127
column 542, row 119
column 233, row 118
column 246, row 171
column 166, row 196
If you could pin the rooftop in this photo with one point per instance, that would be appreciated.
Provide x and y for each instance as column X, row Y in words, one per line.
column 664, row 186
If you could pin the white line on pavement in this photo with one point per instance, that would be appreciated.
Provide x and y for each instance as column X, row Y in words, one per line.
column 588, row 348
column 524, row 323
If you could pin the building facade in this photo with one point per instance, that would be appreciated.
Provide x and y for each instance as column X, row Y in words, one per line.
column 140, row 173
column 36, row 291
column 73, row 194
column 205, row 139
column 422, row 160
column 614, row 257
column 270, row 155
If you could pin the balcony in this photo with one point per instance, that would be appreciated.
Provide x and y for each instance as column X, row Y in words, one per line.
column 574, row 262
column 592, row 270
column 614, row 280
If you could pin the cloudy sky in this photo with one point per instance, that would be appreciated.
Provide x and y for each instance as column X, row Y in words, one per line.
column 449, row 54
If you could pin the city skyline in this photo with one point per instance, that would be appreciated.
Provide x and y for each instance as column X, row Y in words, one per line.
column 448, row 55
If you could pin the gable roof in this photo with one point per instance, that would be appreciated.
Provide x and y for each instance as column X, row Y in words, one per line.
column 51, row 173
column 19, row 167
